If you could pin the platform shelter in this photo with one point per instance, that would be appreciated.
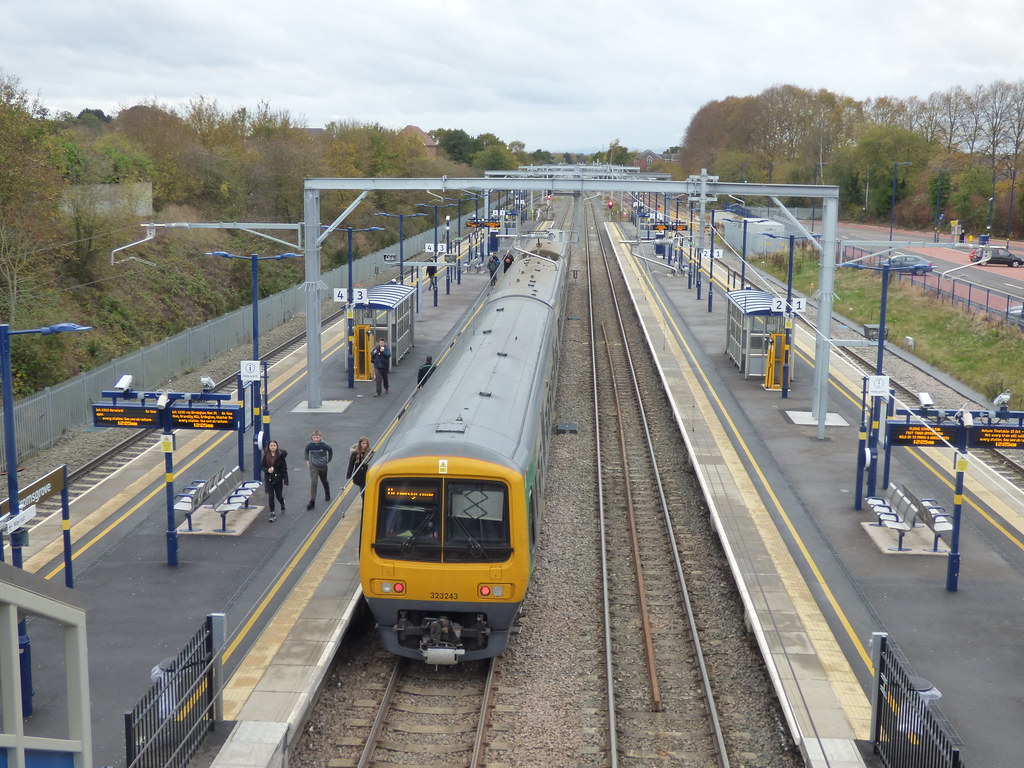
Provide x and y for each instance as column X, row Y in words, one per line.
column 755, row 334
column 390, row 314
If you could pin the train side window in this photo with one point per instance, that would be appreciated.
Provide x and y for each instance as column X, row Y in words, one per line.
column 409, row 519
column 476, row 522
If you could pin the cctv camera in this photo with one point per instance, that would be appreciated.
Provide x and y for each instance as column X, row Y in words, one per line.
column 161, row 402
column 207, row 383
column 124, row 383
column 968, row 418
column 925, row 400
column 1002, row 400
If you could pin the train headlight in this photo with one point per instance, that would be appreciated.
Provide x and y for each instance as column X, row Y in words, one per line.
column 495, row 591
column 382, row 587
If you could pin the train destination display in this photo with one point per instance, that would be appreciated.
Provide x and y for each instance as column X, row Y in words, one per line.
column 923, row 434
column 996, row 437
column 204, row 418
column 136, row 416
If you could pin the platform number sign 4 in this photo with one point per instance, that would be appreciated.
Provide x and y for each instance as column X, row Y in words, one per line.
column 796, row 305
column 359, row 295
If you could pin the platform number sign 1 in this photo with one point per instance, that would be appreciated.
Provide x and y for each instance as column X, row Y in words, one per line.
column 796, row 305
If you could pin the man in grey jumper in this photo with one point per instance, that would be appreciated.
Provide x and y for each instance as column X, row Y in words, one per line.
column 318, row 456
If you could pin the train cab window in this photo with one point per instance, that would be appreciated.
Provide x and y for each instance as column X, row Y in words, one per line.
column 476, row 525
column 409, row 520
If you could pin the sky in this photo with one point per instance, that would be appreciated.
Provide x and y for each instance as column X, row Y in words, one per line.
column 560, row 75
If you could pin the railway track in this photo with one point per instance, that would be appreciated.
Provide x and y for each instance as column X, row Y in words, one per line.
column 430, row 716
column 556, row 699
column 668, row 712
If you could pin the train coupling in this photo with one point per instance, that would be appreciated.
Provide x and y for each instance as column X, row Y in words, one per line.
column 441, row 641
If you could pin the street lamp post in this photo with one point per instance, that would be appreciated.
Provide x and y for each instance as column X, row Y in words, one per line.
column 19, row 534
column 260, row 410
column 401, row 240
column 892, row 202
column 1009, row 215
column 876, row 402
column 814, row 200
column 436, row 207
column 938, row 196
column 447, row 251
column 350, row 306
column 988, row 227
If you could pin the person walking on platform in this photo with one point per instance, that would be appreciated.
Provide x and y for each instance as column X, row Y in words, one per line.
column 381, row 359
column 275, row 474
column 318, row 456
column 424, row 372
column 508, row 261
column 492, row 266
column 357, row 461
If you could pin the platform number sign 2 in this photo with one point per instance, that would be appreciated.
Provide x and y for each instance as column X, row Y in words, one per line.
column 796, row 305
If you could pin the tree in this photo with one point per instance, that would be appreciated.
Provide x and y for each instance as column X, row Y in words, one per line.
column 495, row 157
column 456, row 144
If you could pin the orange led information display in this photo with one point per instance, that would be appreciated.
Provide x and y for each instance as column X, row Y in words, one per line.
column 204, row 418
column 923, row 434
column 997, row 437
column 136, row 416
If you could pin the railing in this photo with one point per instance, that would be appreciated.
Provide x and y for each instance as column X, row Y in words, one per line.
column 907, row 731
column 170, row 722
column 954, row 290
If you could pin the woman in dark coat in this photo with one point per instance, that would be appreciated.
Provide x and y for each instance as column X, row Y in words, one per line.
column 357, row 461
column 275, row 472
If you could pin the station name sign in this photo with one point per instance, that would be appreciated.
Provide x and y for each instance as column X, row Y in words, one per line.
column 36, row 492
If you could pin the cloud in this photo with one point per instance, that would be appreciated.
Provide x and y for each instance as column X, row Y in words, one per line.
column 555, row 75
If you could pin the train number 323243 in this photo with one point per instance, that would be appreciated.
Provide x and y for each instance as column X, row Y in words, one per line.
column 444, row 595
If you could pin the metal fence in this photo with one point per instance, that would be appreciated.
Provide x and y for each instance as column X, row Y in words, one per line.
column 171, row 720
column 999, row 305
column 41, row 419
column 907, row 730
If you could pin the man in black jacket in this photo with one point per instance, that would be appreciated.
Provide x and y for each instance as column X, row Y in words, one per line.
column 380, row 357
column 318, row 456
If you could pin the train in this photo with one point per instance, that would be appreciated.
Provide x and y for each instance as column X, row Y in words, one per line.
column 454, row 496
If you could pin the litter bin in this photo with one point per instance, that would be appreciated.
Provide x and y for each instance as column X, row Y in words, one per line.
column 163, row 675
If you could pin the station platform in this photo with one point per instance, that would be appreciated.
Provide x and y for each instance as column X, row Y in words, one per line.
column 815, row 583
column 286, row 588
column 818, row 578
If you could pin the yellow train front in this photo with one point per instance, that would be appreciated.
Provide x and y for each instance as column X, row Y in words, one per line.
column 454, row 497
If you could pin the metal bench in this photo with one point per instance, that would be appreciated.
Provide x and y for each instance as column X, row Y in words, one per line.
column 932, row 514
column 195, row 495
column 896, row 512
column 234, row 495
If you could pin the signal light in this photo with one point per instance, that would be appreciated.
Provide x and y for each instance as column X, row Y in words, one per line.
column 610, row 204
